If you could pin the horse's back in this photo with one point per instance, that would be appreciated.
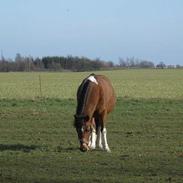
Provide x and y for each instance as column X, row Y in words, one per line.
column 108, row 98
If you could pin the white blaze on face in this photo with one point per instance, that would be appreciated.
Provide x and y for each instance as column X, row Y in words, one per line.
column 92, row 79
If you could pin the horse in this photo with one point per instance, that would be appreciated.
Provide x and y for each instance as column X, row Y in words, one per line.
column 95, row 99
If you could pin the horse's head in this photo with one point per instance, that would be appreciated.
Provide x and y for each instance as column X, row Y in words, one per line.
column 83, row 126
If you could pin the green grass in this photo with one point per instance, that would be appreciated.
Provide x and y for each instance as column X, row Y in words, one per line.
column 38, row 143
column 131, row 83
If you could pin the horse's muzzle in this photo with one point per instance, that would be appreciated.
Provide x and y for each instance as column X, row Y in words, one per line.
column 84, row 147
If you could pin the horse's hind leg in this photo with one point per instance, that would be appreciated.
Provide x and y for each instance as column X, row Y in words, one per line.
column 104, row 133
column 104, row 140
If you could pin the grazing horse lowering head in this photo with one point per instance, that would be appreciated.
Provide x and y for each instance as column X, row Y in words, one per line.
column 95, row 99
column 84, row 129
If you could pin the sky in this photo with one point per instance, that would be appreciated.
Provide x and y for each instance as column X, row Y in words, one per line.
column 105, row 29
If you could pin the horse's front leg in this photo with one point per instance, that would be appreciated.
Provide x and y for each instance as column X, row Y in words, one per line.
column 93, row 139
column 93, row 136
column 99, row 138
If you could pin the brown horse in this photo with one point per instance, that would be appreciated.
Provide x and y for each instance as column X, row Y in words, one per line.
column 95, row 99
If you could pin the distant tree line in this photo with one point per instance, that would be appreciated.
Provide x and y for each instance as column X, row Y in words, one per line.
column 55, row 63
column 135, row 63
column 139, row 63
column 71, row 63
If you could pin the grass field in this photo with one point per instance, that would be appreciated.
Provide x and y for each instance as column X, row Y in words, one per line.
column 38, row 142
column 127, row 83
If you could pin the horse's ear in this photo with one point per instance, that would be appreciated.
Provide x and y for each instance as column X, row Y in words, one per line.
column 86, row 118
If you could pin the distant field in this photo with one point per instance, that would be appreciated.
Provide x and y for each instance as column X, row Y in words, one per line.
column 127, row 83
column 38, row 143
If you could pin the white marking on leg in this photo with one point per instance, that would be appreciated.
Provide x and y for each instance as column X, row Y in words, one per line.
column 93, row 139
column 92, row 79
column 104, row 140
column 90, row 141
column 99, row 138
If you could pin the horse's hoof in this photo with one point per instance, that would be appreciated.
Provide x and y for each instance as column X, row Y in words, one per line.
column 108, row 150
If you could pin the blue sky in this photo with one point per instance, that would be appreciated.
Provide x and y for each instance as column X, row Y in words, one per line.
column 106, row 29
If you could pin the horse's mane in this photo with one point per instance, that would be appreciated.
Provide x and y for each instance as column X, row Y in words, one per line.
column 82, row 93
